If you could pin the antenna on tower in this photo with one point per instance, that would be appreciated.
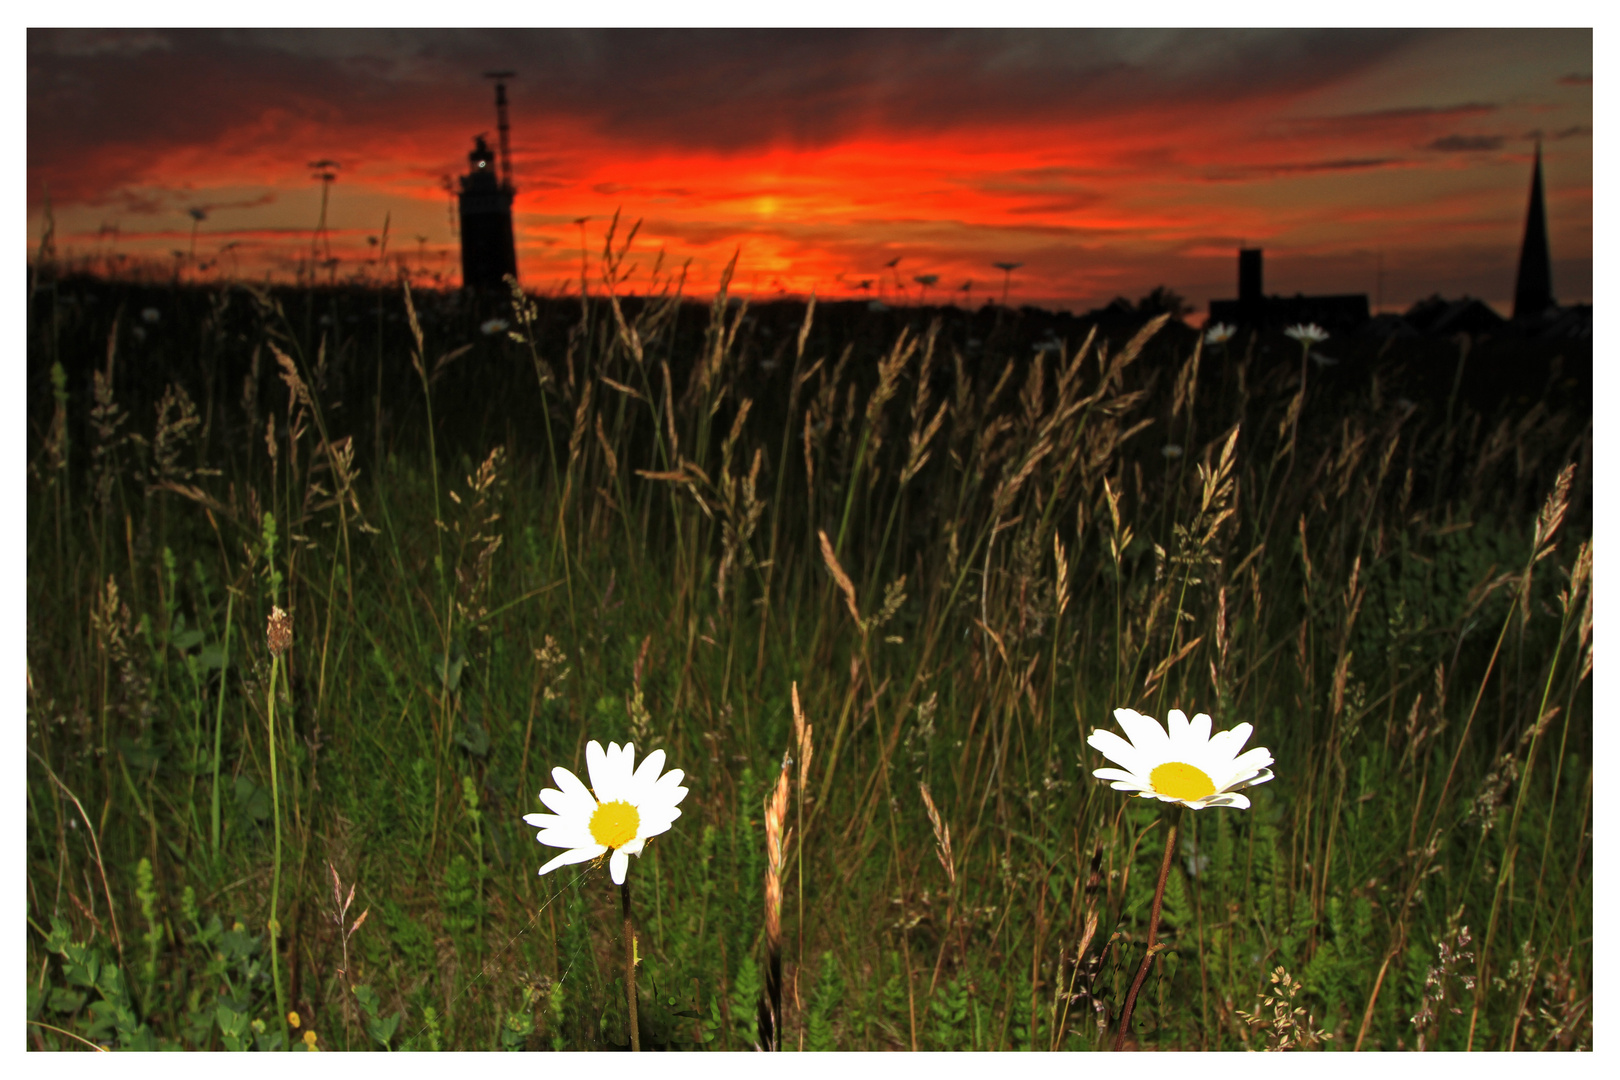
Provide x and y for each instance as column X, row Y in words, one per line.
column 500, row 78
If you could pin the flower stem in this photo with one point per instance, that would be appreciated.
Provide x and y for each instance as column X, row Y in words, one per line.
column 275, row 882
column 1173, row 817
column 630, row 967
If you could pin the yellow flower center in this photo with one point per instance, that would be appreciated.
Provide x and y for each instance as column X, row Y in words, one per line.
column 1175, row 779
column 614, row 824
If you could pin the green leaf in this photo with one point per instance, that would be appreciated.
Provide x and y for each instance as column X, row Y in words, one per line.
column 383, row 1030
column 367, row 997
column 63, row 1000
column 186, row 640
column 473, row 738
column 252, row 801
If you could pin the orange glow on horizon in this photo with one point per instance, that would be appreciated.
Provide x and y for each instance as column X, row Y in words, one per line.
column 1108, row 203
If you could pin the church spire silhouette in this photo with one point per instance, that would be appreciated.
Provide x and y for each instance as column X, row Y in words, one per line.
column 1532, row 291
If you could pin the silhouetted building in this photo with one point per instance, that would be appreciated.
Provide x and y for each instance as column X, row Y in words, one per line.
column 1255, row 310
column 1437, row 315
column 488, row 247
column 1532, row 291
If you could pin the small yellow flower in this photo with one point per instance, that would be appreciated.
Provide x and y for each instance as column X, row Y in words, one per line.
column 309, row 1040
column 292, row 1020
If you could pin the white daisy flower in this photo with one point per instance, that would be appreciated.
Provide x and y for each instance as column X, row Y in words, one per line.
column 1219, row 333
column 491, row 327
column 629, row 807
column 1307, row 333
column 1185, row 766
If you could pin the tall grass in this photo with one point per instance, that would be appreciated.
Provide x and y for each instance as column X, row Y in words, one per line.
column 630, row 518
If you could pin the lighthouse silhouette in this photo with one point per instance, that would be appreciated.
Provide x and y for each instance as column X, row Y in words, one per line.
column 488, row 247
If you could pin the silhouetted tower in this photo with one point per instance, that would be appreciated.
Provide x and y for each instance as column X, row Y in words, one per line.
column 1532, row 292
column 488, row 246
column 1251, row 284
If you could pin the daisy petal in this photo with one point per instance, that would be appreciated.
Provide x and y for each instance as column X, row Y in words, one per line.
column 1145, row 733
column 1251, row 760
column 668, row 790
column 646, row 774
column 550, row 821
column 617, row 865
column 576, row 837
column 1115, row 749
column 1180, row 729
column 1229, row 743
column 1201, row 726
column 1120, row 774
column 1258, row 778
column 571, row 796
column 577, row 855
column 596, row 761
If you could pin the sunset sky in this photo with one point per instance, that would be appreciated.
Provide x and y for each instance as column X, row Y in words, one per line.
column 1106, row 162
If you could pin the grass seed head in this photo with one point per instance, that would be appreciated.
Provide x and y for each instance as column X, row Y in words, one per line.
column 278, row 632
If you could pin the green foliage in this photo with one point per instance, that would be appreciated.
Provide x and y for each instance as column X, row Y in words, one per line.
column 644, row 557
column 458, row 898
column 380, row 1028
column 824, row 1004
column 146, row 894
column 747, row 991
column 949, row 1027
column 411, row 937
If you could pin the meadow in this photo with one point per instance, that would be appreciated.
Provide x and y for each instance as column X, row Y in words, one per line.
column 961, row 537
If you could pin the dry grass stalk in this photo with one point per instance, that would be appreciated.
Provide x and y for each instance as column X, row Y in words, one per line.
column 1547, row 523
column 1289, row 1027
column 804, row 739
column 942, row 836
column 837, row 571
column 776, row 843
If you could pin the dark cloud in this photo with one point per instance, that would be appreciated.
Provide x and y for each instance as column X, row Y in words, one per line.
column 143, row 93
column 1286, row 168
column 1387, row 121
column 1452, row 144
column 1575, row 79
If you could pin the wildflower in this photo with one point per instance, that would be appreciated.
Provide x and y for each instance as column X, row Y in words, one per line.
column 292, row 1020
column 1170, row 450
column 1307, row 333
column 491, row 327
column 309, row 1040
column 1219, row 333
column 629, row 806
column 1185, row 766
column 278, row 632
column 151, row 315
